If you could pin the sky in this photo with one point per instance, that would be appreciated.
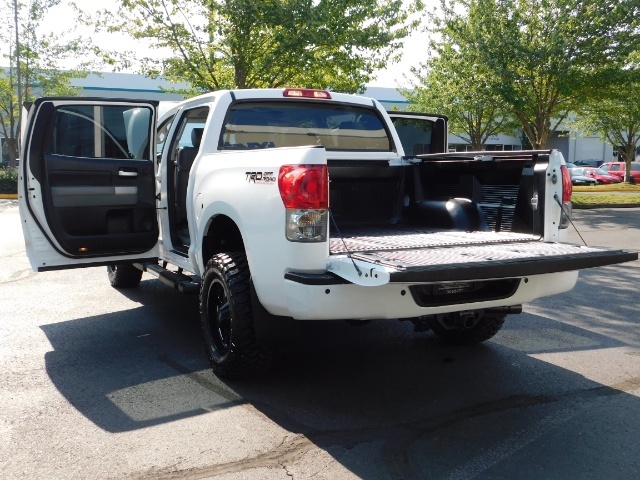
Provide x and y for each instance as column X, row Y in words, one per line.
column 396, row 75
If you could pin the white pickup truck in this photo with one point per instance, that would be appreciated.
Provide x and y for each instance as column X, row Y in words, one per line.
column 296, row 204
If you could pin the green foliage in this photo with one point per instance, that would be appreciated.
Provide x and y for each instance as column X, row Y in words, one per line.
column 546, row 58
column 615, row 119
column 8, row 180
column 551, row 56
column 607, row 199
column 454, row 82
column 39, row 56
column 218, row 44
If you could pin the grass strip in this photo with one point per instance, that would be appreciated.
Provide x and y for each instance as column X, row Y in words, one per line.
column 584, row 199
column 615, row 187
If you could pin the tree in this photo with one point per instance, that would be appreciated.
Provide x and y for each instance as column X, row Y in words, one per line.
column 218, row 44
column 616, row 119
column 545, row 58
column 39, row 56
column 452, row 82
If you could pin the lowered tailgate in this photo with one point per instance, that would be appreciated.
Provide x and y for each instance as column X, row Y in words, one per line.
column 430, row 256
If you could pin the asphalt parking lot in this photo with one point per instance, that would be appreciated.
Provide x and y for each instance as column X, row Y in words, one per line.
column 98, row 383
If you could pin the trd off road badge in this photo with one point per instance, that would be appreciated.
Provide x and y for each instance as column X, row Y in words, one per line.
column 260, row 177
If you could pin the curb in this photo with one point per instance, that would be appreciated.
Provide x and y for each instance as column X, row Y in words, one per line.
column 8, row 196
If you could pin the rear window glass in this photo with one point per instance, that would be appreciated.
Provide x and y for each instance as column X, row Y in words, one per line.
column 288, row 124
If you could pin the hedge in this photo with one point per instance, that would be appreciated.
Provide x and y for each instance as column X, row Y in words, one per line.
column 8, row 180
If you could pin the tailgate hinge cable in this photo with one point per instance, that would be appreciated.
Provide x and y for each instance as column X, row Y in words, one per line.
column 344, row 243
column 555, row 196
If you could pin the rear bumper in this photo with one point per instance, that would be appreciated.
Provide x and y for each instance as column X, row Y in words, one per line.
column 337, row 300
column 537, row 269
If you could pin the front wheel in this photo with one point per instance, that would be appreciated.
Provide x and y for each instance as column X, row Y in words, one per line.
column 483, row 330
column 124, row 275
column 226, row 318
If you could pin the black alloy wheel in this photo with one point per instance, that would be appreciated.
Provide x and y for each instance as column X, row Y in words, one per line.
column 226, row 318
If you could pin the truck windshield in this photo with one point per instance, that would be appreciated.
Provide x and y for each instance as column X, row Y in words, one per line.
column 293, row 124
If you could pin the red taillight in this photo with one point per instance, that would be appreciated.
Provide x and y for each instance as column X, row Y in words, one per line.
column 306, row 93
column 304, row 186
column 567, row 187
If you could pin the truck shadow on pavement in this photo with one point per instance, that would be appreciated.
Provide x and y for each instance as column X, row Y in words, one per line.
column 377, row 400
column 608, row 218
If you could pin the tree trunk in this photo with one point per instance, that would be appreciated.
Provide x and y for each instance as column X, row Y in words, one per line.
column 628, row 155
column 476, row 142
column 12, row 148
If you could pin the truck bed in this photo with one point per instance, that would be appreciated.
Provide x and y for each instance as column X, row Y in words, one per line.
column 415, row 255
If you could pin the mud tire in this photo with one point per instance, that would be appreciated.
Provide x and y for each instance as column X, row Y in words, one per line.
column 124, row 275
column 226, row 319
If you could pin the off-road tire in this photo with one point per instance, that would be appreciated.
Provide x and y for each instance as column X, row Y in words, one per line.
column 226, row 319
column 124, row 275
column 485, row 329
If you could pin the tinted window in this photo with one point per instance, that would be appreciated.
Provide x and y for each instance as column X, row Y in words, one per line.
column 113, row 131
column 415, row 134
column 279, row 124
column 162, row 134
column 194, row 119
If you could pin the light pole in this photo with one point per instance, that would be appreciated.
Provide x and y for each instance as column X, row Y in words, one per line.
column 19, row 128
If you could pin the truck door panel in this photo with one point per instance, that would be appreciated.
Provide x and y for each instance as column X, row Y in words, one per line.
column 93, row 164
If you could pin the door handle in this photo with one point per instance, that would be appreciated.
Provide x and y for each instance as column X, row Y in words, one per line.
column 124, row 173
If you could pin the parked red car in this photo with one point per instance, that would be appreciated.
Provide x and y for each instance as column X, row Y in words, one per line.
column 601, row 176
column 618, row 169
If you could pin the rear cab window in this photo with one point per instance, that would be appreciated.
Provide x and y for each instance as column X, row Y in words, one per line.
column 415, row 134
column 268, row 124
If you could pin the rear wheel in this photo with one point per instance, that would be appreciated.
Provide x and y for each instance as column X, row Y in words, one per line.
column 483, row 330
column 124, row 275
column 358, row 323
column 226, row 318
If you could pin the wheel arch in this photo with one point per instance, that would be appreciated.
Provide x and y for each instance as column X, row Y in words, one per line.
column 221, row 235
